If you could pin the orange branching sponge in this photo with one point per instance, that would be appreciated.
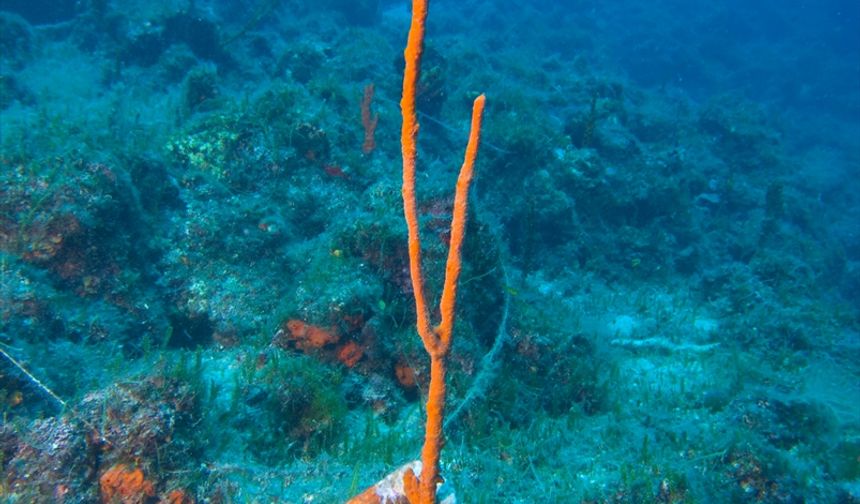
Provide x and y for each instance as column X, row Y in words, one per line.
column 437, row 340
column 421, row 489
column 124, row 485
column 368, row 120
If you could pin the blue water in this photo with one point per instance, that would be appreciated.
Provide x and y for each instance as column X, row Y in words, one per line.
column 206, row 290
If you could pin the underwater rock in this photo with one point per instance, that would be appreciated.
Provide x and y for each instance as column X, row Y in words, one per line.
column 359, row 12
column 16, row 41
column 200, row 35
column 44, row 11
column 55, row 459
column 11, row 90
